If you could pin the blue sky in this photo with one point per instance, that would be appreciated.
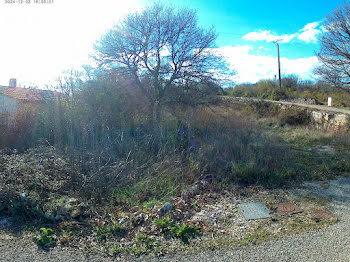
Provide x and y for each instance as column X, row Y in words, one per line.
column 246, row 30
column 44, row 40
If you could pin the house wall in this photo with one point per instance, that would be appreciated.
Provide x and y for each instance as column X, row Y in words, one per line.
column 8, row 104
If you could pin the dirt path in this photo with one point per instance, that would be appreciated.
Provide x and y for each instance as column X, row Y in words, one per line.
column 329, row 244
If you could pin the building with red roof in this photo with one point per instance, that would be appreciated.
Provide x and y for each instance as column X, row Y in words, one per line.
column 11, row 97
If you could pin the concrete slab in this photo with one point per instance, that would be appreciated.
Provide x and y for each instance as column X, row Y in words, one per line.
column 254, row 210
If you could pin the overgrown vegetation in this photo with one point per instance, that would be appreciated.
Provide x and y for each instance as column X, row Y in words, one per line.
column 97, row 154
column 101, row 159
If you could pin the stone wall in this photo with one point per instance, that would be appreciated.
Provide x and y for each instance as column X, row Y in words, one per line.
column 323, row 119
column 333, row 121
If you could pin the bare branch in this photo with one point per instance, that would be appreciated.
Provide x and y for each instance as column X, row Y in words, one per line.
column 163, row 44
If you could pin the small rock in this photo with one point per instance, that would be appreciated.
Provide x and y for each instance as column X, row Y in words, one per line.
column 122, row 221
column 204, row 183
column 49, row 215
column 62, row 210
column 23, row 196
column 64, row 240
column 135, row 214
column 73, row 201
column 142, row 217
column 139, row 219
column 75, row 213
column 167, row 207
column 193, row 190
column 164, row 209
column 145, row 217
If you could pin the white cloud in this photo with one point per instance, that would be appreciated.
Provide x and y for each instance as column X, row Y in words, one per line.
column 309, row 32
column 252, row 68
column 263, row 48
column 268, row 37
column 39, row 41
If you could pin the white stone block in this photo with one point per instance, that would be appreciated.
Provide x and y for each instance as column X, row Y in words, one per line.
column 329, row 101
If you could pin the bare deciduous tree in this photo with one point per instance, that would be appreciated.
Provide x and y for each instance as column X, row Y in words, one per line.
column 163, row 45
column 335, row 48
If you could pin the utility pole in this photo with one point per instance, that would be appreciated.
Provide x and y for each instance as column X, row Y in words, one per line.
column 279, row 64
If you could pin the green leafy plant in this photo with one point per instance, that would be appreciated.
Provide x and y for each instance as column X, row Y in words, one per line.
column 194, row 203
column 45, row 238
column 164, row 224
column 113, row 251
column 184, row 232
column 145, row 244
column 151, row 203
column 112, row 230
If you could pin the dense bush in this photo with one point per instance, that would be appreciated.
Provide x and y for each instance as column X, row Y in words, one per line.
column 100, row 141
column 294, row 117
column 18, row 130
column 262, row 109
column 143, row 163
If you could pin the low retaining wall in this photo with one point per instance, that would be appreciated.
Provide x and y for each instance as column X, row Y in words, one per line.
column 333, row 121
column 320, row 118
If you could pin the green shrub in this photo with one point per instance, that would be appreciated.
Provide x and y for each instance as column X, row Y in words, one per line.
column 294, row 117
column 144, row 244
column 262, row 109
column 112, row 230
column 341, row 165
column 164, row 224
column 170, row 228
column 184, row 232
column 45, row 238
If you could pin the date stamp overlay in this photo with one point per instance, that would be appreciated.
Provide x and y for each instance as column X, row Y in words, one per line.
column 28, row 2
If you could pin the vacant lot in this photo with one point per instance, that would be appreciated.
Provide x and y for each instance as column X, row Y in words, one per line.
column 174, row 189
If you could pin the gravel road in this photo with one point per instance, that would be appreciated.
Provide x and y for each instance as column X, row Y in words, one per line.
column 317, row 107
column 328, row 244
